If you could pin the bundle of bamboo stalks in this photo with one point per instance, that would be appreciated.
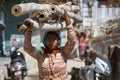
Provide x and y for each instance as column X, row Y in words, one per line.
column 43, row 11
column 46, row 16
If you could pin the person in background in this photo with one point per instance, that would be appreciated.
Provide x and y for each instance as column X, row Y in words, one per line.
column 110, row 33
column 82, row 44
column 52, row 58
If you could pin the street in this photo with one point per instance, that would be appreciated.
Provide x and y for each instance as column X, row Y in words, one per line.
column 33, row 69
column 3, row 68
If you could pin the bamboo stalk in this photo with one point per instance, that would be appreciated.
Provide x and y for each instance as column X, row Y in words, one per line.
column 21, row 9
column 25, row 8
column 41, row 16
column 57, row 10
column 35, row 26
column 71, row 8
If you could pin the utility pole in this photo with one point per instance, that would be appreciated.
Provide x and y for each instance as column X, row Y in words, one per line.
column 2, row 19
column 90, row 3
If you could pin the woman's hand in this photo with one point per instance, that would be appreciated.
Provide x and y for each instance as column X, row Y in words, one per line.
column 66, row 17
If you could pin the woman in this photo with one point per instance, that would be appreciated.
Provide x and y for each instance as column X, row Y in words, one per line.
column 52, row 58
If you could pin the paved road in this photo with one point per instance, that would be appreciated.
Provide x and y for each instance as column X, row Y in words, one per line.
column 4, row 60
column 77, row 63
column 3, row 68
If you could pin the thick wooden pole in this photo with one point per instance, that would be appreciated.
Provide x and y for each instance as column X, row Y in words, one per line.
column 115, row 61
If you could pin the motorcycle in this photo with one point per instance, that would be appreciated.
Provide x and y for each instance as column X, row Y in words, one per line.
column 94, row 69
column 18, row 66
column 100, row 69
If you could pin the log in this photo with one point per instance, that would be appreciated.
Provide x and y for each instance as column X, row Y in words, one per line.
column 51, row 27
column 41, row 16
column 112, row 27
column 58, row 11
column 69, row 7
column 35, row 26
column 25, row 8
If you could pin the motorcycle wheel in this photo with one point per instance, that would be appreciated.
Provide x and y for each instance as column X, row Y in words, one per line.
column 17, row 78
column 20, row 78
column 13, row 78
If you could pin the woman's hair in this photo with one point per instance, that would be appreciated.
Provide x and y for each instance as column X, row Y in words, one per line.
column 83, row 34
column 79, row 35
column 52, row 32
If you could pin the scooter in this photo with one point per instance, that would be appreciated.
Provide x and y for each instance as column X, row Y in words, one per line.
column 18, row 66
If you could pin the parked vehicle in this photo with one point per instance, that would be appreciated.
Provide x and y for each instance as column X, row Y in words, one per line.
column 98, row 69
column 18, row 66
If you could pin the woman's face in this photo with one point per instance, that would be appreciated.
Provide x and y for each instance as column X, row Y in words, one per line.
column 82, row 39
column 52, row 41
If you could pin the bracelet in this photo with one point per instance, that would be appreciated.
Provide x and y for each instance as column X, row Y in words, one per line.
column 29, row 32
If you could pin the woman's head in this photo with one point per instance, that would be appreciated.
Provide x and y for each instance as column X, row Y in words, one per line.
column 81, row 37
column 51, row 39
column 82, row 34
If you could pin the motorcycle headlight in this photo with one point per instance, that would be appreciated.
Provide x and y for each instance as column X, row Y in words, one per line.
column 108, row 70
column 16, row 68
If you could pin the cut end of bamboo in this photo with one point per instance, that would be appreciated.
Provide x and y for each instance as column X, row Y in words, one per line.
column 16, row 10
column 53, row 9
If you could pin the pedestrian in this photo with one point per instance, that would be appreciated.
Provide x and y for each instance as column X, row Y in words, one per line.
column 52, row 58
column 82, row 44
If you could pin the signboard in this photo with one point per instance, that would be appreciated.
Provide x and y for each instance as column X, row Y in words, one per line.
column 16, row 40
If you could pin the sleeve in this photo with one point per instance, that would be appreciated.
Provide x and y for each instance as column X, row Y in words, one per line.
column 28, row 46
column 72, row 40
